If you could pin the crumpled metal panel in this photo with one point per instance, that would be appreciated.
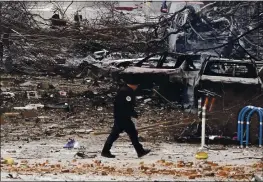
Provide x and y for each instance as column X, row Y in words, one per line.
column 253, row 81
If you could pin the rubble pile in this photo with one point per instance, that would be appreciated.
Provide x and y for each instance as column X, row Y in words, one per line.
column 32, row 46
column 58, row 107
column 68, row 73
column 59, row 78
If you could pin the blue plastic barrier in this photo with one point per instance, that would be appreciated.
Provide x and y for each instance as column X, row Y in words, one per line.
column 241, row 120
column 260, row 113
column 240, row 116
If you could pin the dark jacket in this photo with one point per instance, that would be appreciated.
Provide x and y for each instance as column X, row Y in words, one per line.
column 1, row 50
column 124, row 104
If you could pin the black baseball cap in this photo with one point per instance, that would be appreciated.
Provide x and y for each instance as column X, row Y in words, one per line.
column 131, row 79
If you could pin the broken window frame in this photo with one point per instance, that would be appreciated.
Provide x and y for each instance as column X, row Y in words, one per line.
column 252, row 68
column 164, row 56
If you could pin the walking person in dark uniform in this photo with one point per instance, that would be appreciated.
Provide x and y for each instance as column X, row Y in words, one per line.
column 123, row 111
column 1, row 51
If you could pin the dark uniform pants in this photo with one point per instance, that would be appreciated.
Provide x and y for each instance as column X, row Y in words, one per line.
column 120, row 126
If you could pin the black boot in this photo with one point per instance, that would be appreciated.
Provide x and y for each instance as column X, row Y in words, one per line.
column 143, row 153
column 106, row 150
column 107, row 154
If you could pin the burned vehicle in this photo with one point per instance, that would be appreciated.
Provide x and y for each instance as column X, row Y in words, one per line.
column 170, row 72
column 232, row 79
column 261, row 73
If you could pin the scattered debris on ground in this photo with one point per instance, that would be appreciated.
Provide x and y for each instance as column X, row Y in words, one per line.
column 59, row 76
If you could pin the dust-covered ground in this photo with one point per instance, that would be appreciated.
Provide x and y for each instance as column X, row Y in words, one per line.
column 47, row 160
column 35, row 138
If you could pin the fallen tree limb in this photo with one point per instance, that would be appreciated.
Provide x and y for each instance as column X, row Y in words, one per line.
column 130, row 27
column 143, row 25
column 160, row 125
column 166, row 126
column 234, row 40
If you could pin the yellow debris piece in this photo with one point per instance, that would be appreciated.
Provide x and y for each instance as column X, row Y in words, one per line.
column 201, row 155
